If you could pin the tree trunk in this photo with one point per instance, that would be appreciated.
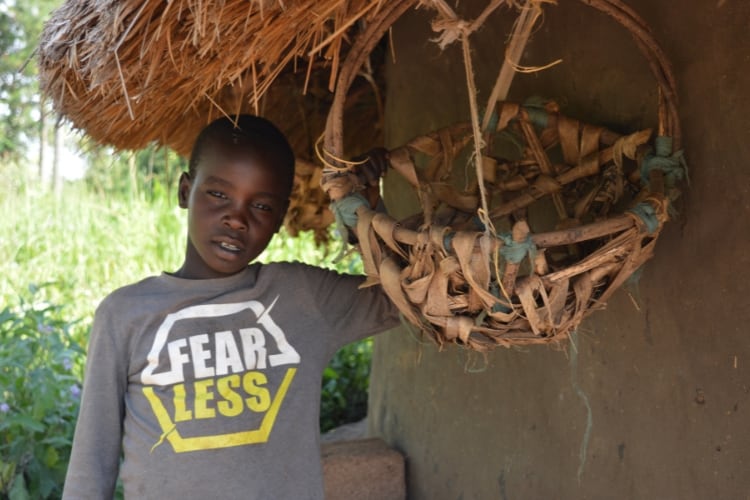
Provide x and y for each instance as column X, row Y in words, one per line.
column 42, row 137
column 168, row 172
column 133, row 177
column 151, row 159
column 56, row 152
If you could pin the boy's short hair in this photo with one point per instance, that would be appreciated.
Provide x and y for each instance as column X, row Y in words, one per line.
column 254, row 134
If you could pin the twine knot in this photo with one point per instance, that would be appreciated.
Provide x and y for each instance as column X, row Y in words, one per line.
column 345, row 209
column 652, row 213
column 338, row 184
column 673, row 165
column 536, row 108
column 515, row 251
column 345, row 212
column 647, row 214
column 450, row 30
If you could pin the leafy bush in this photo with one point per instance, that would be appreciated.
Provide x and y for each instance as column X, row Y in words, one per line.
column 346, row 380
column 40, row 367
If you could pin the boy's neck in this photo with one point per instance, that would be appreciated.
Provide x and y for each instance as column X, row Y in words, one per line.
column 182, row 274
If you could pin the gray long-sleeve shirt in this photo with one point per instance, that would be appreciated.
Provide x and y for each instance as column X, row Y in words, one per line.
column 211, row 388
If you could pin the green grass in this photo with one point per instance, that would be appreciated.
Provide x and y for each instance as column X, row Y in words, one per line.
column 80, row 246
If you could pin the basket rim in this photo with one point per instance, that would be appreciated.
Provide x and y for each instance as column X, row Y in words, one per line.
column 659, row 64
column 631, row 243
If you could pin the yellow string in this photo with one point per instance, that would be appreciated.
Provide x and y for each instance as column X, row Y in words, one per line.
column 348, row 164
column 532, row 69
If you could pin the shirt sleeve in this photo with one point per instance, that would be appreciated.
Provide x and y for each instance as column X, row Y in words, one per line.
column 95, row 457
column 352, row 313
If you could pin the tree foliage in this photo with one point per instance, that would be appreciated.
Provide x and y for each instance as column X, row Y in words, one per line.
column 147, row 174
column 21, row 24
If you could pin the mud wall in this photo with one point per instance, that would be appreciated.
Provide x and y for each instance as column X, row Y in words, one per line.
column 651, row 402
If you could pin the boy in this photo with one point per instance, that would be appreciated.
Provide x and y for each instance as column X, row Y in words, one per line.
column 207, row 380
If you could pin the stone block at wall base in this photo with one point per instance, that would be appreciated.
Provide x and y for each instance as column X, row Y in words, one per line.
column 362, row 469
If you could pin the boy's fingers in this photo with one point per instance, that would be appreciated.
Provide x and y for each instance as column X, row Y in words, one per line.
column 372, row 175
column 379, row 161
column 374, row 167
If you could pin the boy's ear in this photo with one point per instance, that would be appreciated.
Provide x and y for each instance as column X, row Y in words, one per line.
column 183, row 190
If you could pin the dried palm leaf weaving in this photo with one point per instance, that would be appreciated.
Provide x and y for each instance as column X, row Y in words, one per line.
column 541, row 239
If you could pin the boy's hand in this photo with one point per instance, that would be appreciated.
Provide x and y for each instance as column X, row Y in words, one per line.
column 363, row 177
column 375, row 163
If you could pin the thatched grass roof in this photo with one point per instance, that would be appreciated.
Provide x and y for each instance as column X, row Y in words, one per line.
column 130, row 72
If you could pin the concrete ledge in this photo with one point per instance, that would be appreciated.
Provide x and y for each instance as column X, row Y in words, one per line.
column 362, row 469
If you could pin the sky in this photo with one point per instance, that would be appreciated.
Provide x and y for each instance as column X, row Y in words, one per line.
column 72, row 164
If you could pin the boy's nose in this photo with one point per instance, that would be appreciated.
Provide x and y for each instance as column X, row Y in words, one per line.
column 235, row 220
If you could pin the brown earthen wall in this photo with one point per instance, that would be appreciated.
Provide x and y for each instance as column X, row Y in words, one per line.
column 653, row 403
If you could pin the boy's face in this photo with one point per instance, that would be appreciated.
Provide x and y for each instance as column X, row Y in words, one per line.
column 236, row 202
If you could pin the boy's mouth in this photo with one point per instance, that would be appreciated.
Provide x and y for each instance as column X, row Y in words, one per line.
column 229, row 244
column 229, row 247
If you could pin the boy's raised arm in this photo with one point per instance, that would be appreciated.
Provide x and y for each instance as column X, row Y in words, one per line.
column 94, row 462
column 351, row 312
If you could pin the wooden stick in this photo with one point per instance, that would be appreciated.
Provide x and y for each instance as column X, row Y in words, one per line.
column 544, row 164
column 553, row 238
column 658, row 62
column 334, row 135
column 518, row 39
column 548, row 185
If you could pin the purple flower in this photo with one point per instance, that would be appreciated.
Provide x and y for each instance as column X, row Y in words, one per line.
column 67, row 363
column 44, row 328
column 4, row 407
column 75, row 391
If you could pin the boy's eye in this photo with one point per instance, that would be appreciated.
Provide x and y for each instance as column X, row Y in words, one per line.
column 262, row 206
column 217, row 194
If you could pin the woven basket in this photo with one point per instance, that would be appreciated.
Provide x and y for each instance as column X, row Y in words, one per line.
column 571, row 217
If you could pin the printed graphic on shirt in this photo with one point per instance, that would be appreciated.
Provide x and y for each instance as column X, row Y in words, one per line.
column 213, row 386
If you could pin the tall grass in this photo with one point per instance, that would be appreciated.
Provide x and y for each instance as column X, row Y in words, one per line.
column 80, row 245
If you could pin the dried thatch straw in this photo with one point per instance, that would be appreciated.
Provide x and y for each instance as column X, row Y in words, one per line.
column 132, row 72
column 302, row 119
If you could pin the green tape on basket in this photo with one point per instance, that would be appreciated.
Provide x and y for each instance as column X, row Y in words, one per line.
column 492, row 124
column 538, row 115
column 671, row 164
column 647, row 213
column 345, row 209
column 535, row 108
column 515, row 251
column 498, row 306
column 448, row 240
